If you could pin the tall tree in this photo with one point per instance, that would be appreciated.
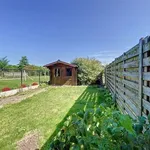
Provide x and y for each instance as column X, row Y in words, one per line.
column 89, row 70
column 23, row 62
column 4, row 63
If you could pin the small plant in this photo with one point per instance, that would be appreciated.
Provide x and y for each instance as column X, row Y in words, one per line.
column 6, row 89
column 23, row 86
column 35, row 83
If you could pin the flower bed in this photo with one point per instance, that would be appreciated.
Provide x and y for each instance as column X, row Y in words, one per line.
column 6, row 89
column 35, row 83
column 23, row 86
column 8, row 92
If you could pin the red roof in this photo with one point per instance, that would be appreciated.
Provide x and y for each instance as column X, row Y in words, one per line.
column 60, row 62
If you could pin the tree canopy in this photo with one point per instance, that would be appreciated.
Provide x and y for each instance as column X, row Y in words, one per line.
column 88, row 70
column 23, row 62
column 4, row 63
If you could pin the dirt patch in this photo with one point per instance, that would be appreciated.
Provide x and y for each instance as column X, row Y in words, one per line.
column 20, row 97
column 29, row 142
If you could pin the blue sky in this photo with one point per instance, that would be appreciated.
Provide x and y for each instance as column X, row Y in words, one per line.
column 47, row 30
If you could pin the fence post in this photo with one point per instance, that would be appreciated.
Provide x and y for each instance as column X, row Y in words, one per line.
column 21, row 75
column 39, row 77
column 105, row 77
column 140, row 74
column 115, row 80
column 124, row 77
column 3, row 75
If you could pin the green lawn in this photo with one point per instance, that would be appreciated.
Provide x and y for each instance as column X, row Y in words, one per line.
column 15, row 83
column 44, row 112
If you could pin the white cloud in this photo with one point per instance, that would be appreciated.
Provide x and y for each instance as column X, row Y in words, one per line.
column 107, row 56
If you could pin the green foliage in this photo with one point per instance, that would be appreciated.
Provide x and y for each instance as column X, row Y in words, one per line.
column 23, row 62
column 88, row 70
column 126, row 122
column 4, row 63
column 12, row 68
column 43, row 70
column 30, row 67
column 34, row 67
column 102, row 127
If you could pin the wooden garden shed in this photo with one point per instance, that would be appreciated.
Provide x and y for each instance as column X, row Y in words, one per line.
column 62, row 73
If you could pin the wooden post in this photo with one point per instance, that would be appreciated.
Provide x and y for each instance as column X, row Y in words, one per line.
column 21, row 75
column 105, row 76
column 124, row 70
column 111, row 81
column 3, row 74
column 50, row 76
column 115, row 80
column 140, row 74
column 39, row 76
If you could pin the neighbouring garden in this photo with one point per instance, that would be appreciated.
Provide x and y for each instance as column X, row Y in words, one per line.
column 16, row 83
column 11, row 75
column 89, row 72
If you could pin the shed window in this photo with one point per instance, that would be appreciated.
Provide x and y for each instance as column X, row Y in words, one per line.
column 68, row 72
column 57, row 72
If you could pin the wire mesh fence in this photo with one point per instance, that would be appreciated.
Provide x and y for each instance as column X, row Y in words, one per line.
column 15, row 78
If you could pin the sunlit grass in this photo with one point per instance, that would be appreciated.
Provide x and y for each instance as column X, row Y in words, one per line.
column 42, row 112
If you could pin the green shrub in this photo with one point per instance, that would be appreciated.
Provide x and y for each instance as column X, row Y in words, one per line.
column 89, row 70
column 102, row 127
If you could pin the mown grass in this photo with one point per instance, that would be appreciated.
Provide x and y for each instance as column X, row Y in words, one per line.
column 44, row 112
column 16, row 83
column 91, row 97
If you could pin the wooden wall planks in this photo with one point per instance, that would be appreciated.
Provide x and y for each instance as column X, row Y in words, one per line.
column 128, row 79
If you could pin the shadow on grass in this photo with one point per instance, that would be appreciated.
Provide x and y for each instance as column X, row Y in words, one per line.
column 90, row 97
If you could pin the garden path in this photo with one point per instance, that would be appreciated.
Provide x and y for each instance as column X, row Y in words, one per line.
column 20, row 97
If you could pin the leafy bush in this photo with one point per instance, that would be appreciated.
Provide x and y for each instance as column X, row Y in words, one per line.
column 102, row 127
column 6, row 89
column 33, row 84
column 89, row 70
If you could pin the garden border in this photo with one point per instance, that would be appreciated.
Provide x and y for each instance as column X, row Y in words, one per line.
column 15, row 91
